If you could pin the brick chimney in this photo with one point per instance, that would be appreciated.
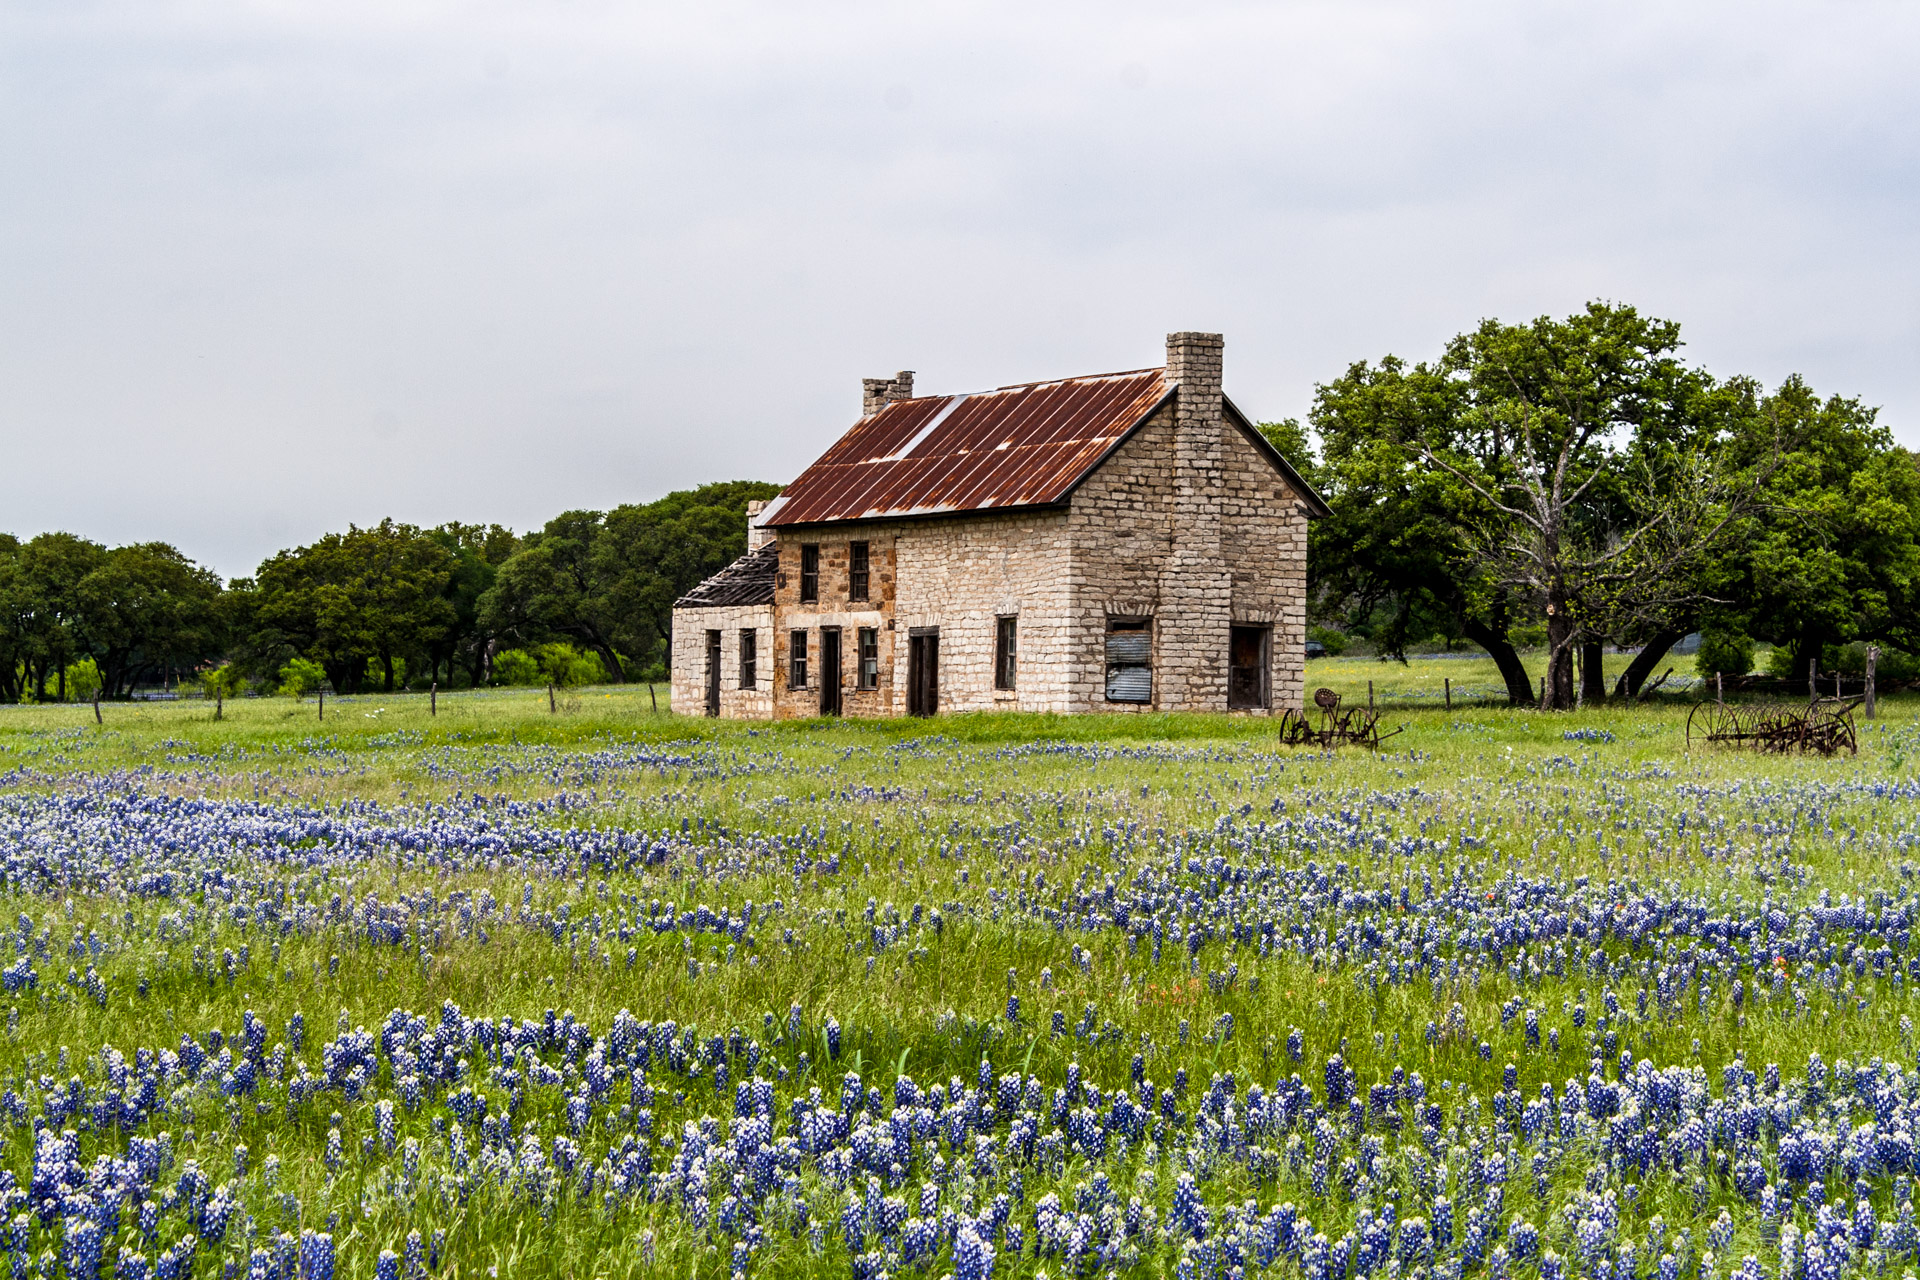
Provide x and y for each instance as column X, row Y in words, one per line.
column 1197, row 593
column 877, row 393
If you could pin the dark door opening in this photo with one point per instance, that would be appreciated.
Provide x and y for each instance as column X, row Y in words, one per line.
column 713, row 673
column 923, row 671
column 1247, row 667
column 829, row 671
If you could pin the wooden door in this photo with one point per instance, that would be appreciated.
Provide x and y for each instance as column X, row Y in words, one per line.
column 713, row 673
column 923, row 671
column 829, row 671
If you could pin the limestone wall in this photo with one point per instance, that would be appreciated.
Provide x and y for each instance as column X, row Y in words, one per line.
column 962, row 576
column 1198, row 535
column 690, row 627
column 835, row 608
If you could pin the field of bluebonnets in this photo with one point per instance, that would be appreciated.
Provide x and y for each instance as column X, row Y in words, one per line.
column 507, row 992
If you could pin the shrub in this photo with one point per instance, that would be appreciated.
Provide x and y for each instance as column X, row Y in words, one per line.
column 83, row 679
column 1334, row 642
column 1724, row 651
column 1532, row 636
column 1892, row 664
column 516, row 666
column 301, row 677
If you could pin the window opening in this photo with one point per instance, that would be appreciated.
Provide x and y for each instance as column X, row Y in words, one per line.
column 856, row 571
column 797, row 661
column 1130, row 660
column 1006, row 651
column 809, row 572
column 869, row 657
column 749, row 658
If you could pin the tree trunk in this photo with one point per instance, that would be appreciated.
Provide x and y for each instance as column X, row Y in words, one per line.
column 1635, row 676
column 386, row 665
column 1512, row 670
column 1593, row 673
column 1560, row 642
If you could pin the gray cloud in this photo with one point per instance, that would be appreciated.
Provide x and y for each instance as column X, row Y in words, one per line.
column 268, row 269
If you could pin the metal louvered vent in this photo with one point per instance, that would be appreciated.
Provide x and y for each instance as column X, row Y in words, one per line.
column 1130, row 662
column 1129, row 684
column 1129, row 648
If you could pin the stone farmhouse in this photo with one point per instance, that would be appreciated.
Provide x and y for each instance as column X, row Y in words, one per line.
column 1119, row 542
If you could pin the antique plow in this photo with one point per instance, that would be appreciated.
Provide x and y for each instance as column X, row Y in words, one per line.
column 1824, row 725
column 1359, row 726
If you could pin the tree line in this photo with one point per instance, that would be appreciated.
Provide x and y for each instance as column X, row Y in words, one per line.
column 385, row 607
column 1577, row 484
column 1571, row 484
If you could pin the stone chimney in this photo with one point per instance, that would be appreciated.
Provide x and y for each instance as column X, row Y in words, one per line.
column 877, row 393
column 1197, row 594
column 757, row 535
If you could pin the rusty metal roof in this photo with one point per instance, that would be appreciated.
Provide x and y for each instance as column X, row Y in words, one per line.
column 1018, row 446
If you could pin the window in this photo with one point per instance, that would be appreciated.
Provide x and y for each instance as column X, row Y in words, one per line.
column 856, row 571
column 797, row 661
column 869, row 655
column 1129, row 660
column 749, row 658
column 1247, row 666
column 809, row 572
column 1006, row 651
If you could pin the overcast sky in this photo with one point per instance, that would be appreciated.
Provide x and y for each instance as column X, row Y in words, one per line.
column 269, row 269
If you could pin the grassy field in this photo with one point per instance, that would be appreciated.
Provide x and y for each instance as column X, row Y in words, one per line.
column 604, row 991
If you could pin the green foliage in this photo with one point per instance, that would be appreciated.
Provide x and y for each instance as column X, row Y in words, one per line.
column 1783, row 662
column 607, row 583
column 1834, row 553
column 82, row 680
column 566, row 667
column 300, row 677
column 1724, row 651
column 137, row 612
column 357, row 603
column 517, row 667
column 1290, row 438
column 1334, row 642
column 1892, row 664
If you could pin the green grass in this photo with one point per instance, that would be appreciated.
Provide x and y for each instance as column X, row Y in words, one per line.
column 961, row 810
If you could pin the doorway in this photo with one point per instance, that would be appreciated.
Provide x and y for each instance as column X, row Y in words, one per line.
column 1247, row 667
column 923, row 671
column 713, row 673
column 829, row 671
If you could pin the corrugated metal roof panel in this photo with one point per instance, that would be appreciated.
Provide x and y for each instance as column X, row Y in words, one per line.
column 1018, row 446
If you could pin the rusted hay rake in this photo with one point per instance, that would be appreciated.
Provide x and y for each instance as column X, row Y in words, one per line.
column 1824, row 725
column 1358, row 726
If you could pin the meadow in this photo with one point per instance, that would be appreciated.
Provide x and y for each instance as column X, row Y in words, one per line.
column 603, row 991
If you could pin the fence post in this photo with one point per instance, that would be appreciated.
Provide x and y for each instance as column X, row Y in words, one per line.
column 1449, row 680
column 1719, row 690
column 433, row 698
column 1813, row 678
column 323, row 704
column 1873, row 655
column 1369, row 695
column 219, row 702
